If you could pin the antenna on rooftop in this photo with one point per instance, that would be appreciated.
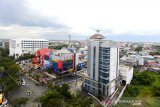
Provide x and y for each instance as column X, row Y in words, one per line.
column 98, row 31
column 69, row 37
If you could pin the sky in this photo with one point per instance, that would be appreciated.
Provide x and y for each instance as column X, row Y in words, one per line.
column 123, row 20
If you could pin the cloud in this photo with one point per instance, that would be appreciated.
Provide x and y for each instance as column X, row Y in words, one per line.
column 17, row 12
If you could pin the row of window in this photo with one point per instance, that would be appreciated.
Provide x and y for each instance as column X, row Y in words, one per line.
column 105, row 81
column 104, row 57
column 105, row 51
column 36, row 47
column 104, row 75
column 33, row 45
column 104, row 62
column 104, row 67
column 34, row 41
column 104, row 48
column 87, row 87
column 90, row 82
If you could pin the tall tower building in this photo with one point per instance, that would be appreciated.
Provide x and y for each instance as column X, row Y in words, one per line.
column 103, row 66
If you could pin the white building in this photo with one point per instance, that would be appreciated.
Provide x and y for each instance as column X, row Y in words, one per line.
column 4, row 43
column 103, row 66
column 127, row 73
column 20, row 46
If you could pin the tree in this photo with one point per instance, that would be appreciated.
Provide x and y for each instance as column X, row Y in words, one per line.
column 156, row 91
column 18, row 102
column 145, row 78
column 64, row 90
column 13, row 69
column 4, row 52
column 60, row 96
column 131, row 91
column 50, row 70
column 138, row 49
column 9, row 74
column 58, row 47
column 26, row 56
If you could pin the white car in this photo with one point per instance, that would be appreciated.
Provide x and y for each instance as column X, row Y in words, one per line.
column 23, row 82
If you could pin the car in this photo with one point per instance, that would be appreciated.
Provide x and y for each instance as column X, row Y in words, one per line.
column 23, row 82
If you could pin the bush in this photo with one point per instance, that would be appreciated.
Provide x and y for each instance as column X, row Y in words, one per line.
column 131, row 91
column 18, row 102
column 156, row 91
column 143, row 78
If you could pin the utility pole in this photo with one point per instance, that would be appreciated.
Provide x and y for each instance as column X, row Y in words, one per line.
column 75, row 68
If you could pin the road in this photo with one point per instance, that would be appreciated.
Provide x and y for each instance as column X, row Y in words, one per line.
column 22, row 90
column 38, row 90
column 35, row 91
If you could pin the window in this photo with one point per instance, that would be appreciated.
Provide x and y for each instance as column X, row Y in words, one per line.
column 88, row 87
column 105, row 81
column 93, row 84
column 103, row 89
column 85, row 86
column 0, row 43
column 86, row 81
column 94, row 90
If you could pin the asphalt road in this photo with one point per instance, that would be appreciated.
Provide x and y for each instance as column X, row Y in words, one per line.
column 29, row 87
column 38, row 90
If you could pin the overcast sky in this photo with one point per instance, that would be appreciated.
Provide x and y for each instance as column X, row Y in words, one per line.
column 131, row 20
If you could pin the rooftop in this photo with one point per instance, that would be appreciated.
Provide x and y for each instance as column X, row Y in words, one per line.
column 97, row 36
column 30, row 39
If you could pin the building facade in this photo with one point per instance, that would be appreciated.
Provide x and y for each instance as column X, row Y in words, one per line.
column 103, row 66
column 4, row 43
column 21, row 46
column 61, row 62
column 127, row 73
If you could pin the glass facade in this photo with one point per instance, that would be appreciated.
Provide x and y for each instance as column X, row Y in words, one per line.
column 104, row 64
column 94, row 62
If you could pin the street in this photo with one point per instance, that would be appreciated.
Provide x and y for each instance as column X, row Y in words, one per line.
column 29, row 87
column 35, row 90
column 74, row 82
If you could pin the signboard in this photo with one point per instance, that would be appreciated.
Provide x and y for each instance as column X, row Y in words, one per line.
column 1, row 97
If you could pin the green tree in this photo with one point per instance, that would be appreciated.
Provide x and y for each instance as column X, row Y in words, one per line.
column 131, row 91
column 4, row 52
column 13, row 69
column 50, row 70
column 18, row 102
column 145, row 78
column 156, row 91
column 60, row 96
column 26, row 56
column 58, row 47
column 10, row 71
column 138, row 49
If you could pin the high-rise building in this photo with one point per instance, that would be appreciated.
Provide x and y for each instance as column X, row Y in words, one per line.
column 21, row 46
column 103, row 66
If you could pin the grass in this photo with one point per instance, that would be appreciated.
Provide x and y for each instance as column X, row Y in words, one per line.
column 146, row 92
